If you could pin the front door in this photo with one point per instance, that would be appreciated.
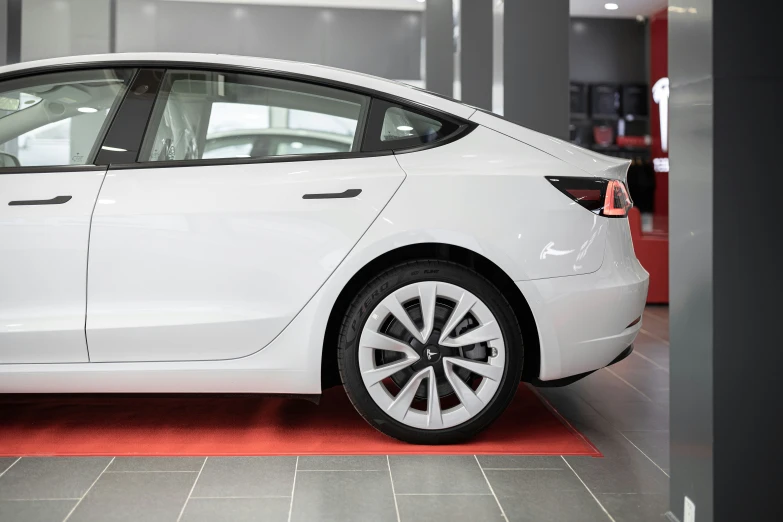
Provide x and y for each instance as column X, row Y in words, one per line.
column 50, row 125
column 208, row 246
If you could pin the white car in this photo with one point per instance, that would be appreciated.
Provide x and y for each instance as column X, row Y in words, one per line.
column 446, row 256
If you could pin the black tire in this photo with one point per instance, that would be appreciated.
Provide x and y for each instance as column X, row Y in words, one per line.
column 378, row 289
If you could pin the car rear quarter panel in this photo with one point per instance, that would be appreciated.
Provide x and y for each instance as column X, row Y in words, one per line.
column 487, row 192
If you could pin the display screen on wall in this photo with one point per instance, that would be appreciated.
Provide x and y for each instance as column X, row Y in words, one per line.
column 579, row 104
column 635, row 101
column 605, row 101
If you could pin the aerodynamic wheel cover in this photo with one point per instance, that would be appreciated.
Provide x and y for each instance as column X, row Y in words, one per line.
column 471, row 400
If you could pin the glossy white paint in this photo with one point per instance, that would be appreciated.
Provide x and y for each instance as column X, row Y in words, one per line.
column 582, row 321
column 493, row 199
column 228, row 267
column 212, row 262
column 583, row 159
column 43, row 261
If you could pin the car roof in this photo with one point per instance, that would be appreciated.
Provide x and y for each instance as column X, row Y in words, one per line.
column 361, row 80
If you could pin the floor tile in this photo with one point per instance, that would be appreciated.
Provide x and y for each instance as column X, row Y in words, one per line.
column 237, row 510
column 653, row 382
column 655, row 325
column 147, row 497
column 5, row 463
column 508, row 483
column 648, row 338
column 520, row 462
column 35, row 510
column 344, row 463
column 429, row 474
column 603, row 386
column 569, row 403
column 661, row 311
column 51, row 477
column 156, row 464
column 632, row 508
column 630, row 475
column 553, row 506
column 343, row 496
column 652, row 350
column 246, row 477
column 634, row 416
column 635, row 362
column 606, row 438
column 654, row 444
column 448, row 508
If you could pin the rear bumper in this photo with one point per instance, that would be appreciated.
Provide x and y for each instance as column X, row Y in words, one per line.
column 583, row 321
column 565, row 381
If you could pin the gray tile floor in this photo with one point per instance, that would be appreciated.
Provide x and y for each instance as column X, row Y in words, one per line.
column 623, row 410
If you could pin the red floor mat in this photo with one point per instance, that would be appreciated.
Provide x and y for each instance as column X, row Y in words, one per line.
column 252, row 425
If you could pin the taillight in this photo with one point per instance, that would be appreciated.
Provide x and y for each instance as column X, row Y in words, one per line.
column 605, row 197
column 617, row 201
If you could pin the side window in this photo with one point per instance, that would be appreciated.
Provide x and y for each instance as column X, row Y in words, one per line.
column 212, row 115
column 393, row 127
column 58, row 118
column 399, row 124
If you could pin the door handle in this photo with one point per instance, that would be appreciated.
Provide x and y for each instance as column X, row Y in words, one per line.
column 57, row 200
column 350, row 193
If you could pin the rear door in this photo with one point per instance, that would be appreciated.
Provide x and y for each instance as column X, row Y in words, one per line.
column 50, row 127
column 197, row 258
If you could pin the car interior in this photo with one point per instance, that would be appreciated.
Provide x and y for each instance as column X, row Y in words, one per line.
column 31, row 111
column 191, row 103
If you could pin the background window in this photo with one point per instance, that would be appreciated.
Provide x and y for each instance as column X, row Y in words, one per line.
column 210, row 115
column 58, row 118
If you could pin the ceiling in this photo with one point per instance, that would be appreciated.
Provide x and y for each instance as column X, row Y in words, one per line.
column 627, row 8
column 402, row 5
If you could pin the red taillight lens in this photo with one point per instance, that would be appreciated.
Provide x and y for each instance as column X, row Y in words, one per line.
column 605, row 197
column 617, row 201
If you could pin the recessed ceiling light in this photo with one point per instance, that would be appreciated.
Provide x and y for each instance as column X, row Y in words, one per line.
column 611, row 6
column 296, row 145
column 87, row 109
column 404, row 128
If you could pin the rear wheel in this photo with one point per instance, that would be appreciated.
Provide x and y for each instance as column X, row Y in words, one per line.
column 430, row 352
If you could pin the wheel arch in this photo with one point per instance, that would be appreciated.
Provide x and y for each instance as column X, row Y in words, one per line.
column 329, row 371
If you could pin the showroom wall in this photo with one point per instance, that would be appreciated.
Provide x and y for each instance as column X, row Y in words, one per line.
column 726, row 78
column 3, row 31
column 691, row 260
column 52, row 28
column 390, row 40
column 10, row 14
column 608, row 50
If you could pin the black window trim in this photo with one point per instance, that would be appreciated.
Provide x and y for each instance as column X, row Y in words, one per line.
column 118, row 145
column 48, row 169
column 465, row 125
